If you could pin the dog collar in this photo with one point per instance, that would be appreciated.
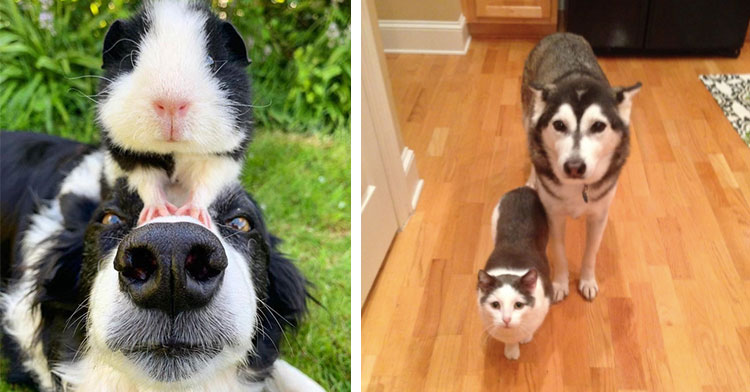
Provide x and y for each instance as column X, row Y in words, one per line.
column 585, row 193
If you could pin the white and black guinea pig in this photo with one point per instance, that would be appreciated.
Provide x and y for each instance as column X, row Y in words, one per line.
column 175, row 106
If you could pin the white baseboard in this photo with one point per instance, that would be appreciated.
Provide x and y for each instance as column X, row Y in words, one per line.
column 425, row 36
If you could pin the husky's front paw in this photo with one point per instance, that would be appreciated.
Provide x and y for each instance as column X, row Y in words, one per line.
column 560, row 290
column 512, row 351
column 588, row 288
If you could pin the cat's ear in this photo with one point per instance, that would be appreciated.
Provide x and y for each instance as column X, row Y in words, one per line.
column 485, row 281
column 529, row 280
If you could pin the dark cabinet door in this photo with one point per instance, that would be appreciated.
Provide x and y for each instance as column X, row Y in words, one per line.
column 609, row 24
column 698, row 25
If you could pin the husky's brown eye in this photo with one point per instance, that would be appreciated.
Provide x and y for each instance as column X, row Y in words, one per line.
column 519, row 305
column 598, row 127
column 111, row 219
column 559, row 126
column 495, row 305
column 239, row 223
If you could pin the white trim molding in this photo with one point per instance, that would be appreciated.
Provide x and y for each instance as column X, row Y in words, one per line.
column 409, row 162
column 425, row 36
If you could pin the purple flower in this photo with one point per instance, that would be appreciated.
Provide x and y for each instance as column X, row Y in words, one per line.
column 46, row 21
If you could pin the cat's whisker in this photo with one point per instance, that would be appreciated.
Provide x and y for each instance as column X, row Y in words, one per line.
column 88, row 76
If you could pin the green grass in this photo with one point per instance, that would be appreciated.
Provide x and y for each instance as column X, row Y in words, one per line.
column 11, row 388
column 302, row 184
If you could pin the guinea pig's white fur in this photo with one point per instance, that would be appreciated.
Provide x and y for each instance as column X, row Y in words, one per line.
column 172, row 63
column 175, row 106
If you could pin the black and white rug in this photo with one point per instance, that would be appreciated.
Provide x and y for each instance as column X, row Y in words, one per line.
column 732, row 93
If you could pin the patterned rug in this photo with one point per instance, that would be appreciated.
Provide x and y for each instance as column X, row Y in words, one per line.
column 732, row 93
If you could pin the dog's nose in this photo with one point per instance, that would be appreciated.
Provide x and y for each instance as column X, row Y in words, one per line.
column 172, row 267
column 574, row 168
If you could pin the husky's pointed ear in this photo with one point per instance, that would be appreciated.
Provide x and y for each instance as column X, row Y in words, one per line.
column 485, row 281
column 539, row 95
column 540, row 92
column 624, row 97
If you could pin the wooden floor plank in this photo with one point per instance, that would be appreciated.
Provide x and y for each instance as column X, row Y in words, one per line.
column 673, row 311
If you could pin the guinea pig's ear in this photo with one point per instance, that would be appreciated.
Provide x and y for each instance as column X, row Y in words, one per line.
column 234, row 44
column 114, row 49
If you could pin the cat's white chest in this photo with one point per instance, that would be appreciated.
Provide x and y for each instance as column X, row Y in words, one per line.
column 507, row 335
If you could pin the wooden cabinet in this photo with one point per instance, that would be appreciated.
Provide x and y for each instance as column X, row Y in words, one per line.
column 510, row 18
column 520, row 9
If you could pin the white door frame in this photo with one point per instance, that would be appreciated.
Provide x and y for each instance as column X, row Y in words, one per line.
column 399, row 161
column 391, row 184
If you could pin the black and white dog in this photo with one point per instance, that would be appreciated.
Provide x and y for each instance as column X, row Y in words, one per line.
column 93, row 302
column 578, row 132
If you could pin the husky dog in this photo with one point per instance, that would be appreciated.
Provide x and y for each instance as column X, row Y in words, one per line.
column 577, row 127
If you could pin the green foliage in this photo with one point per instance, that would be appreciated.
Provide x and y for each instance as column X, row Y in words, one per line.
column 50, row 51
column 302, row 184
column 301, row 61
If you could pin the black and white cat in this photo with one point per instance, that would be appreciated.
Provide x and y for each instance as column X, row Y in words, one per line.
column 514, row 288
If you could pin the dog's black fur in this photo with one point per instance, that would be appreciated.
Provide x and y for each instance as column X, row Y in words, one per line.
column 33, row 167
column 49, row 159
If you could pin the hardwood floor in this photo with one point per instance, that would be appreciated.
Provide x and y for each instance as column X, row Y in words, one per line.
column 673, row 312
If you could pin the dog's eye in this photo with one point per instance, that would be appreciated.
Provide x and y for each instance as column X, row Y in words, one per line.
column 519, row 305
column 495, row 305
column 239, row 223
column 598, row 127
column 111, row 219
column 209, row 60
column 559, row 126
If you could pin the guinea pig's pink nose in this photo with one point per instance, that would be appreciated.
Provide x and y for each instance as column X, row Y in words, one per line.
column 171, row 107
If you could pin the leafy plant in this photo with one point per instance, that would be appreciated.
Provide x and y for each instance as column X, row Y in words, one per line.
column 49, row 69
column 301, row 53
